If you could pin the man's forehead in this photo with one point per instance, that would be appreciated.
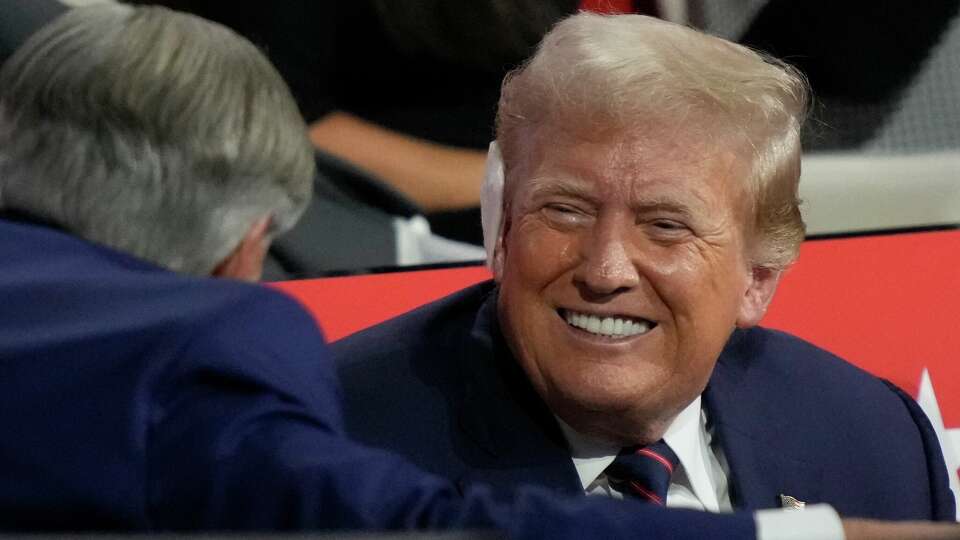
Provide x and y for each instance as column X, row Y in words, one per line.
column 654, row 144
column 594, row 171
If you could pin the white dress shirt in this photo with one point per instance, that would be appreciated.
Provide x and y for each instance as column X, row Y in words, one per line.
column 700, row 480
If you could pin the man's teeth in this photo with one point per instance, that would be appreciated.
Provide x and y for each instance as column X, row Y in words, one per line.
column 607, row 326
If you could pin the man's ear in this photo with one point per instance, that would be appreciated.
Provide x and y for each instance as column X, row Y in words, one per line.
column 245, row 262
column 759, row 293
column 491, row 208
column 499, row 249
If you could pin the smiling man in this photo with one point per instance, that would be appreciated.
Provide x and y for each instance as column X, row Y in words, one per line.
column 649, row 207
column 625, row 269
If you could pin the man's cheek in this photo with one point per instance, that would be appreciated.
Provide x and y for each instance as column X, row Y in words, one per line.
column 545, row 253
column 671, row 271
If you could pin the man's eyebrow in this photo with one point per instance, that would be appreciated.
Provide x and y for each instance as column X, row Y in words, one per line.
column 645, row 205
column 540, row 187
column 576, row 189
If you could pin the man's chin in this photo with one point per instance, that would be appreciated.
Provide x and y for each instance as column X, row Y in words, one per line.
column 615, row 415
column 622, row 430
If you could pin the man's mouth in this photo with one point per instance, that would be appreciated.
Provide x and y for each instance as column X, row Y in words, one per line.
column 616, row 327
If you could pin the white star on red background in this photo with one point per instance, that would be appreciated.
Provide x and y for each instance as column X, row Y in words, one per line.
column 949, row 438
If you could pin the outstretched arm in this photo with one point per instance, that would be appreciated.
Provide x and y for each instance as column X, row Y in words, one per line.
column 434, row 176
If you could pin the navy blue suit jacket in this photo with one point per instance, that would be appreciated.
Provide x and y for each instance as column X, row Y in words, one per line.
column 440, row 387
column 132, row 398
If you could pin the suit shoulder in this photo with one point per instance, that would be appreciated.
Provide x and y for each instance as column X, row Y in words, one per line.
column 402, row 378
column 762, row 348
column 427, row 330
column 262, row 340
column 259, row 317
column 799, row 374
column 225, row 305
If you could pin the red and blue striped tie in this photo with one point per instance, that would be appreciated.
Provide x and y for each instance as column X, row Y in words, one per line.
column 643, row 472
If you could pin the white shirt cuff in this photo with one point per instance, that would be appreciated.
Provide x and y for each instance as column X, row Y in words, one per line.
column 815, row 522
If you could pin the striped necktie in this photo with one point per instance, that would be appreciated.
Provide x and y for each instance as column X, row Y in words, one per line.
column 643, row 472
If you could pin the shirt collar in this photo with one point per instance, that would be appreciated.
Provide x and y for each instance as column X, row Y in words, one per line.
column 591, row 455
column 686, row 435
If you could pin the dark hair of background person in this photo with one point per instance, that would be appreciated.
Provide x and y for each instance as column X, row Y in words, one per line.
column 426, row 69
column 20, row 18
column 487, row 34
column 339, row 53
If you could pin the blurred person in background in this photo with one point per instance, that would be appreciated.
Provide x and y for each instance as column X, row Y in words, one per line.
column 405, row 91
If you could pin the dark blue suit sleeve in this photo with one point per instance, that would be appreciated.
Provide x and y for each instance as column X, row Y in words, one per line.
column 944, row 504
column 247, row 435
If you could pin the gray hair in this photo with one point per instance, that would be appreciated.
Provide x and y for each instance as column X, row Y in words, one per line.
column 153, row 132
column 630, row 72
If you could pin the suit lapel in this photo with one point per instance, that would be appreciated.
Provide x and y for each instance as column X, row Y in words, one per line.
column 518, row 439
column 755, row 440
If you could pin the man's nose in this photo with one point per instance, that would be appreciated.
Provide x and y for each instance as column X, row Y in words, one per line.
column 607, row 266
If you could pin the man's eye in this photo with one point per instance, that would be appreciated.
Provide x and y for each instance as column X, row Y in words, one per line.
column 667, row 229
column 668, row 225
column 562, row 208
column 565, row 213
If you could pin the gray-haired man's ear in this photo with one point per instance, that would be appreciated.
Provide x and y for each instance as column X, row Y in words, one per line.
column 245, row 262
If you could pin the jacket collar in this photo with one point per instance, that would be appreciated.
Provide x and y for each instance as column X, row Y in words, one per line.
column 503, row 415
